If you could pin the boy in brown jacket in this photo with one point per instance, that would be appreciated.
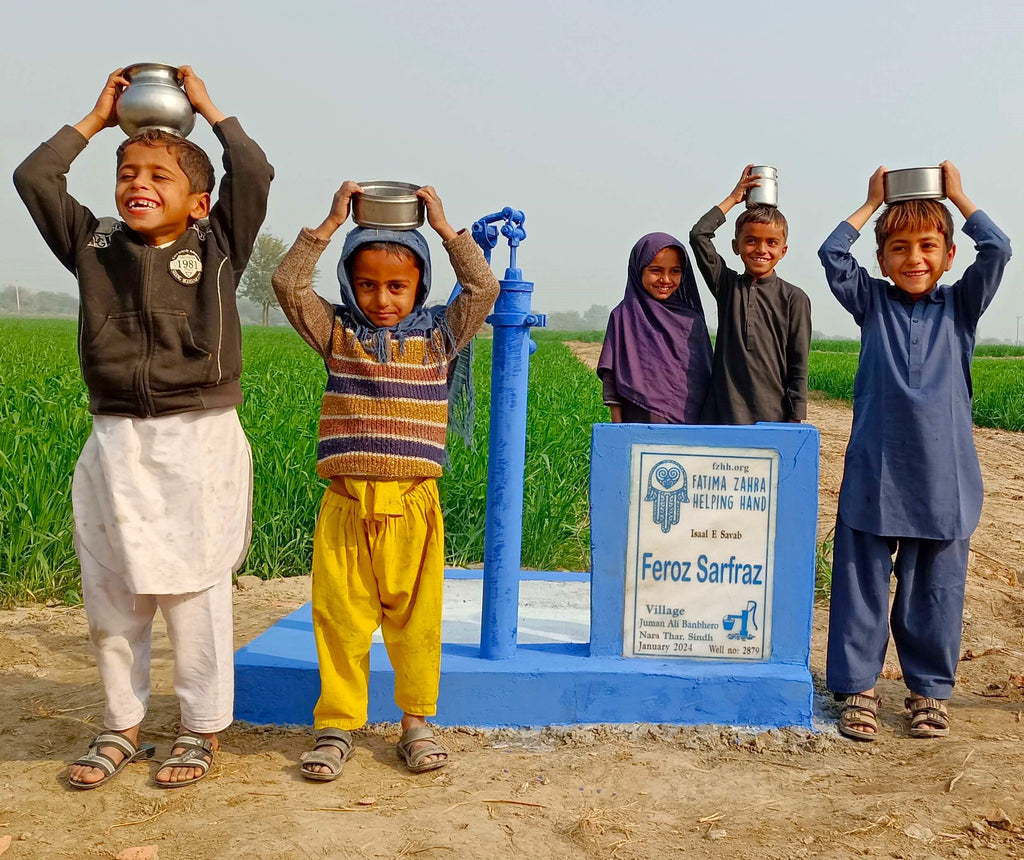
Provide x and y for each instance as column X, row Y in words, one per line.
column 162, row 489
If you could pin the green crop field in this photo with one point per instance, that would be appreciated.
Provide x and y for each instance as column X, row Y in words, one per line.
column 998, row 381
column 842, row 346
column 44, row 422
column 984, row 350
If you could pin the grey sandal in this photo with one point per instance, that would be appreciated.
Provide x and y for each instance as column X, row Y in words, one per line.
column 101, row 761
column 414, row 758
column 195, row 752
column 323, row 755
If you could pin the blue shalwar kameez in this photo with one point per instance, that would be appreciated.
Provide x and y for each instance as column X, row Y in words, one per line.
column 912, row 482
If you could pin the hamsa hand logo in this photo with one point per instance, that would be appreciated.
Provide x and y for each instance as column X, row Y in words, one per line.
column 666, row 488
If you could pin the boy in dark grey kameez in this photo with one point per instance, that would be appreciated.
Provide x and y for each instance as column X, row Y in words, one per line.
column 759, row 371
column 912, row 483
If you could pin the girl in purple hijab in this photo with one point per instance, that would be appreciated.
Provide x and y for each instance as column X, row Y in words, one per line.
column 656, row 362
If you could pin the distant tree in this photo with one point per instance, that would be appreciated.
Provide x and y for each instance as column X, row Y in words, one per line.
column 249, row 313
column 58, row 304
column 267, row 254
column 595, row 318
column 15, row 299
column 565, row 321
column 10, row 299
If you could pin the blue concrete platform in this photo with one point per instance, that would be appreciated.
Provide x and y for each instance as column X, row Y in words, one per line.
column 277, row 682
column 568, row 667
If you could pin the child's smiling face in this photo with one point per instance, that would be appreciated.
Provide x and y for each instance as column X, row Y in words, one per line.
column 761, row 247
column 916, row 259
column 385, row 285
column 663, row 275
column 153, row 194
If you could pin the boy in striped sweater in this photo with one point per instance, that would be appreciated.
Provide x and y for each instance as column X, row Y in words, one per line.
column 378, row 548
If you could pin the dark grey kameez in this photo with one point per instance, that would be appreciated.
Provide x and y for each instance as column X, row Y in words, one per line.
column 764, row 336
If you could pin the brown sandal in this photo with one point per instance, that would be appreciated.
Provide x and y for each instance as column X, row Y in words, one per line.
column 414, row 759
column 928, row 717
column 859, row 717
column 326, row 754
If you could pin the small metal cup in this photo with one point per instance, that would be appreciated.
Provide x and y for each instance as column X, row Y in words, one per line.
column 767, row 191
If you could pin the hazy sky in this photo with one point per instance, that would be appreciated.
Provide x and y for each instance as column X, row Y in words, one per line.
column 602, row 121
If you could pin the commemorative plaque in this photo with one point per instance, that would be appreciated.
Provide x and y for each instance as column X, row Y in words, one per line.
column 700, row 552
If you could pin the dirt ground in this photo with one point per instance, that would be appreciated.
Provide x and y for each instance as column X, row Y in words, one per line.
column 592, row 792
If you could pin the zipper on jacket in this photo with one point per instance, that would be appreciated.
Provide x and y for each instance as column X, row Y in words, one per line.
column 143, row 345
column 146, row 318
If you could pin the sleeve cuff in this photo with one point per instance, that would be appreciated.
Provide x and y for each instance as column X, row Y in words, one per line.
column 68, row 142
column 306, row 235
column 978, row 221
column 847, row 230
column 461, row 241
column 840, row 239
column 227, row 128
column 712, row 219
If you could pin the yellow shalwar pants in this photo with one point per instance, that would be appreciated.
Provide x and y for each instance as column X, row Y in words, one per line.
column 378, row 561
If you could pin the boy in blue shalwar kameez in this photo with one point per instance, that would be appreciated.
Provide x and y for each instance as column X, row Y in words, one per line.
column 912, row 484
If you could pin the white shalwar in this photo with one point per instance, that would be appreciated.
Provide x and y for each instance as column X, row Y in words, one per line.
column 162, row 519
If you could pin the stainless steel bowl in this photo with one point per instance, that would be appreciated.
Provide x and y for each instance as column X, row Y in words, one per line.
column 914, row 183
column 388, row 206
column 767, row 191
column 154, row 99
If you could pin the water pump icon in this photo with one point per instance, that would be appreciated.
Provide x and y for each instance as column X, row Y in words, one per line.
column 748, row 615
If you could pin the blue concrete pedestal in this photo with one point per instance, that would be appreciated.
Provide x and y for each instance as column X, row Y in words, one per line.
column 277, row 681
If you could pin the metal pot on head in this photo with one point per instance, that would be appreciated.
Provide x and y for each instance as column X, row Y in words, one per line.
column 388, row 206
column 914, row 183
column 766, row 193
column 154, row 99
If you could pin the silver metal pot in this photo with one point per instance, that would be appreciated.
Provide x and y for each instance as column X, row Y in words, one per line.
column 154, row 99
column 767, row 191
column 914, row 183
column 388, row 206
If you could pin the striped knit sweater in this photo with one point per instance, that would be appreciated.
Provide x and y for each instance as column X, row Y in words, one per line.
column 382, row 419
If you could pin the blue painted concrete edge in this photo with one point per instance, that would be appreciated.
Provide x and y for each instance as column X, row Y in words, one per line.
column 277, row 682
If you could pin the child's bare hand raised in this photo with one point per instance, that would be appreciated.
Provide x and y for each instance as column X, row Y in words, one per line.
column 103, row 115
column 435, row 213
column 955, row 189
column 876, row 189
column 876, row 197
column 747, row 181
column 340, row 206
column 195, row 89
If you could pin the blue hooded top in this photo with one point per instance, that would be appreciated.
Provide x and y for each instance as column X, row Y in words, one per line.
column 377, row 340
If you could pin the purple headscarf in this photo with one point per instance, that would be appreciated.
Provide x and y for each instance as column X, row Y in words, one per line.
column 659, row 352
